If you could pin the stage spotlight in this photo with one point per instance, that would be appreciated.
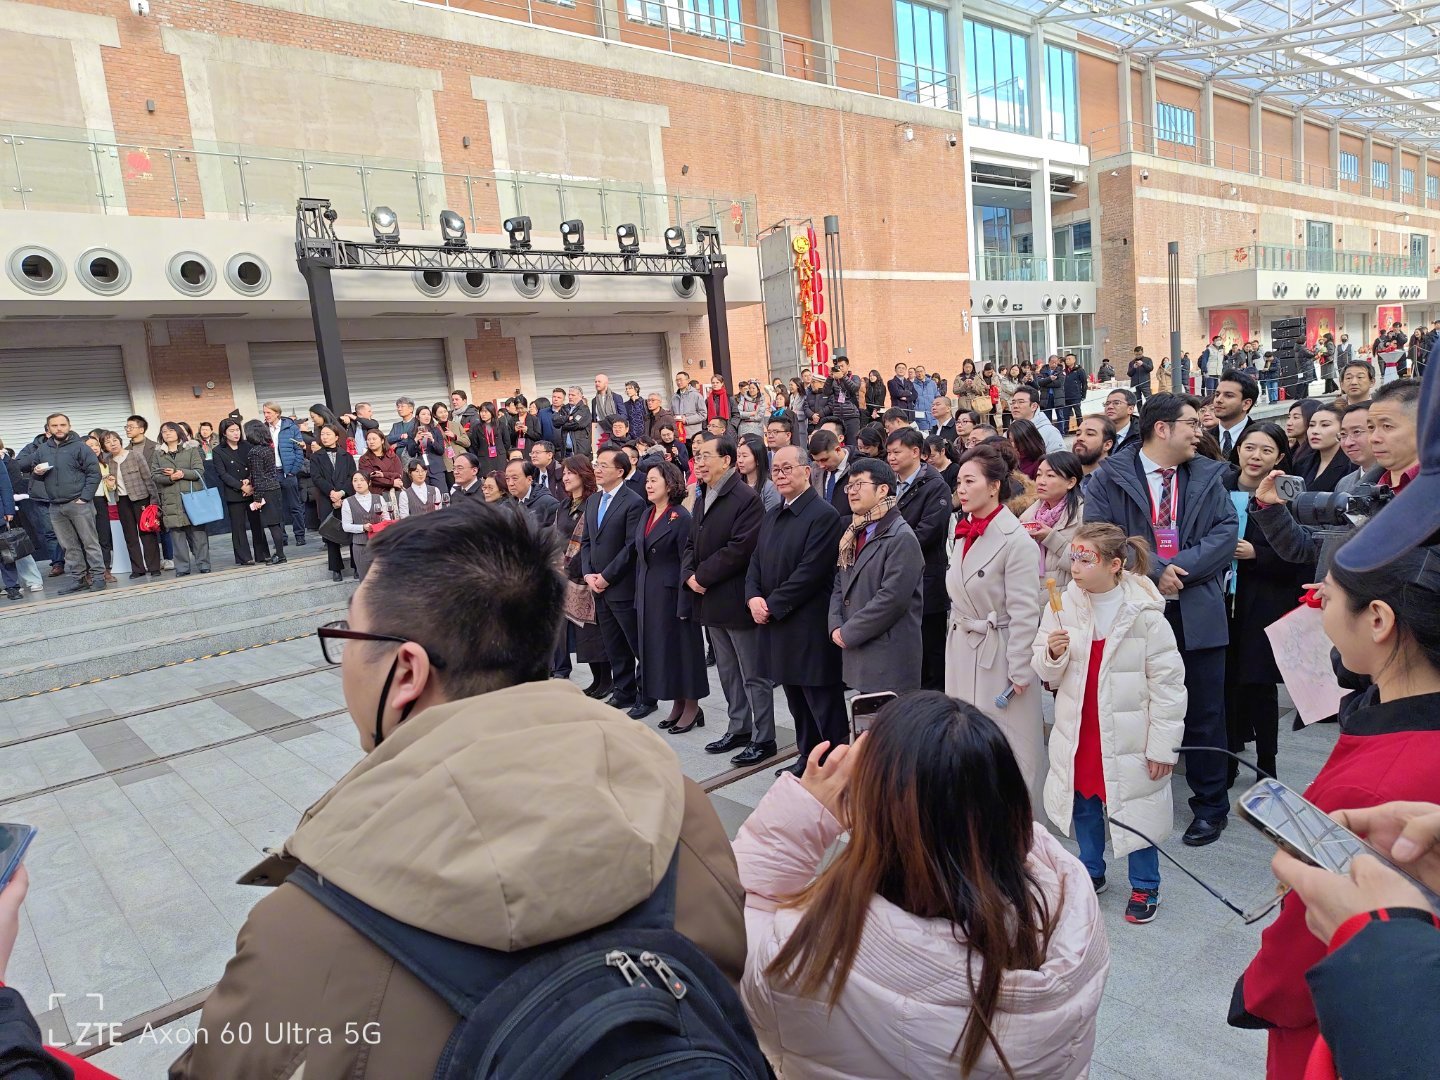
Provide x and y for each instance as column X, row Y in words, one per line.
column 452, row 229
column 629, row 238
column 385, row 225
column 707, row 234
column 573, row 235
column 519, row 230
column 675, row 240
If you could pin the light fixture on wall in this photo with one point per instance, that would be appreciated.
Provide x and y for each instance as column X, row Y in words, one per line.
column 465, row 142
column 906, row 131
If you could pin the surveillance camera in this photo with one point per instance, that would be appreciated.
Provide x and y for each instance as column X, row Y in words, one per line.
column 1144, row 173
column 140, row 7
column 951, row 139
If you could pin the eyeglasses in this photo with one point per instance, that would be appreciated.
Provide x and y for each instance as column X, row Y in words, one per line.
column 1193, row 425
column 333, row 636
column 785, row 470
column 854, row 486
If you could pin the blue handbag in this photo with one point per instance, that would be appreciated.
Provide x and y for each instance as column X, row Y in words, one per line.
column 203, row 506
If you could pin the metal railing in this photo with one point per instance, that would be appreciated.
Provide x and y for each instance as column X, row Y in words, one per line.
column 1075, row 268
column 1138, row 138
column 1278, row 257
column 1019, row 267
column 70, row 173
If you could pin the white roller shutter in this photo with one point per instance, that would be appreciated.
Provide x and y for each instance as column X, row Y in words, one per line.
column 288, row 373
column 88, row 385
column 575, row 361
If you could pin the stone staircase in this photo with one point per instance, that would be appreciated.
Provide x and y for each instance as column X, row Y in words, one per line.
column 48, row 642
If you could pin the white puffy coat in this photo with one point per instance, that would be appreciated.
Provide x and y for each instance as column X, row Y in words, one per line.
column 1142, row 700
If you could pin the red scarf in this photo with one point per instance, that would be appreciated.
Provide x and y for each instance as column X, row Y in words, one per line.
column 971, row 529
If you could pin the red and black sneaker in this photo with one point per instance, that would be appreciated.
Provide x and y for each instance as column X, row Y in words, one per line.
column 1142, row 905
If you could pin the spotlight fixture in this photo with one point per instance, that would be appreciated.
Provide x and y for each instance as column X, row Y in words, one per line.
column 675, row 240
column 629, row 239
column 385, row 225
column 572, row 233
column 452, row 229
column 707, row 237
column 519, row 231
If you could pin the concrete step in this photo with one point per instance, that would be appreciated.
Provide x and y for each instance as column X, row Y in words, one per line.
column 165, row 614
column 48, row 612
column 156, row 643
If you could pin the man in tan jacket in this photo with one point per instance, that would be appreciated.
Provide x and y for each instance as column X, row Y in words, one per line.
column 494, row 806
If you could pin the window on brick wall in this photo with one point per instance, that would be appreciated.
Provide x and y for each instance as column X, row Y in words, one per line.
column 1349, row 166
column 705, row 18
column 1380, row 173
column 1174, row 124
column 997, row 77
column 1407, row 181
column 1432, row 187
column 1062, row 94
column 1076, row 333
column 922, row 66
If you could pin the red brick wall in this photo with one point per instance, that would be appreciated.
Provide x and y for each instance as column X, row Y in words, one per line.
column 1232, row 133
column 490, row 354
column 188, row 361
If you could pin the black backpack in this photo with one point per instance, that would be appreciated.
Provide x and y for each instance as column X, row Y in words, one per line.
column 631, row 998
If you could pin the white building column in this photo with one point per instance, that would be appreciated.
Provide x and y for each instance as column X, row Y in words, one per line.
column 1040, row 216
column 767, row 14
column 1257, row 133
column 1397, row 163
column 1422, row 178
column 1207, row 120
column 1039, row 81
column 1127, row 118
column 1147, row 103
column 822, row 27
column 955, row 51
column 1335, row 153
column 1367, row 165
column 1297, row 147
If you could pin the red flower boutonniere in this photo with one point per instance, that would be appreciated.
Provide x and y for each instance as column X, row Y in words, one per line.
column 673, row 515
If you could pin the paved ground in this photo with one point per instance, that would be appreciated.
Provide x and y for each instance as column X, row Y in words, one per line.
column 133, row 892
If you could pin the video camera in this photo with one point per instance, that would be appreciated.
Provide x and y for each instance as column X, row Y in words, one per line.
column 1355, row 507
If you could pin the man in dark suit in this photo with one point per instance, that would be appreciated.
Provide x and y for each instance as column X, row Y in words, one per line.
column 923, row 499
column 788, row 589
column 902, row 391
column 833, row 462
column 1120, row 411
column 467, row 478
column 727, row 518
column 542, row 456
column 607, row 559
column 520, row 477
column 1158, row 489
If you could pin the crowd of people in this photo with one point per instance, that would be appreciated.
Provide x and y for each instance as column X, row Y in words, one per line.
column 875, row 537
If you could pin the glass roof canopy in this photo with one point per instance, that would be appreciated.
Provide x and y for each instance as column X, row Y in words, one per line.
column 1373, row 63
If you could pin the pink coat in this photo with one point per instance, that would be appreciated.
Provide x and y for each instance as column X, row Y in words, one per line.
column 906, row 999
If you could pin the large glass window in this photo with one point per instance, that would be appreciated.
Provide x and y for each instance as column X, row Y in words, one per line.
column 1432, row 186
column 1319, row 245
column 921, row 60
column 1380, row 173
column 1349, row 166
column 1419, row 254
column 997, row 77
column 1062, row 95
column 706, row 18
column 1077, row 334
column 1012, row 341
column 1174, row 124
column 1407, row 181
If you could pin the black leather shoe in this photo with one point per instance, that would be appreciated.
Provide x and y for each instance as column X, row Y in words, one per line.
column 276, row 560
column 300, row 541
column 796, row 770
column 79, row 586
column 335, row 575
column 668, row 723
column 599, row 690
column 615, row 701
column 754, row 754
column 726, row 743
column 1202, row 832
column 14, row 593
column 642, row 709
column 710, row 656
column 698, row 721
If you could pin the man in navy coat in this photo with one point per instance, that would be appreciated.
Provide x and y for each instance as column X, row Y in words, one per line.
column 607, row 559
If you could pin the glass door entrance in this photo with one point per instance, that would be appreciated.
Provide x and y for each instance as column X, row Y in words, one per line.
column 1012, row 341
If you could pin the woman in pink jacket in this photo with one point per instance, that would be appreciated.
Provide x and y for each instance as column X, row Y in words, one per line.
column 951, row 936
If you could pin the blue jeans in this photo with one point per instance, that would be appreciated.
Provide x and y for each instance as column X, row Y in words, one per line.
column 1271, row 388
column 9, row 577
column 1089, row 817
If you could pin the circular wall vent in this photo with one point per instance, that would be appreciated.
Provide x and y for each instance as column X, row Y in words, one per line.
column 473, row 282
column 527, row 285
column 103, row 271
column 247, row 274
column 431, row 282
column 564, row 285
column 35, row 269
column 191, row 273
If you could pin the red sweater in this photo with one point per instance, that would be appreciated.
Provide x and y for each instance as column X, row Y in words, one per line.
column 1386, row 752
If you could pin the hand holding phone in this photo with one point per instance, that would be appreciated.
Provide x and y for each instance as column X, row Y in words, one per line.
column 12, row 896
column 863, row 708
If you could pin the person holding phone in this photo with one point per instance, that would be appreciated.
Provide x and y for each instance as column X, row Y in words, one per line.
column 1386, row 624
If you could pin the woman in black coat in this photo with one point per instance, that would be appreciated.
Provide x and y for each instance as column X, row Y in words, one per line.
column 672, row 651
column 232, row 468
column 264, row 489
column 577, row 480
column 1264, row 588
column 489, row 441
column 331, row 473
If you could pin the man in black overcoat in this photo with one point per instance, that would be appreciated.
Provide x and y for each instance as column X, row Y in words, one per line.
column 607, row 559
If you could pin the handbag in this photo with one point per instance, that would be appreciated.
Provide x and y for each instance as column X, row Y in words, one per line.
column 15, row 545
column 333, row 530
column 579, row 600
column 203, row 506
column 150, row 519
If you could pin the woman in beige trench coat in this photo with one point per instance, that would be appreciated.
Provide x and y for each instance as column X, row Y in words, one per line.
column 995, row 600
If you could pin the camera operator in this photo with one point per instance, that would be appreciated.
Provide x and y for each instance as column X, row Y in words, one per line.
column 1309, row 531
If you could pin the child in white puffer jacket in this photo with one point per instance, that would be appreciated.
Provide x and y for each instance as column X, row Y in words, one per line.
column 1120, row 709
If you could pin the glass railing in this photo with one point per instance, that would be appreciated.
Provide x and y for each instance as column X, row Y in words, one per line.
column 73, row 174
column 1277, row 257
column 1075, row 268
column 1012, row 268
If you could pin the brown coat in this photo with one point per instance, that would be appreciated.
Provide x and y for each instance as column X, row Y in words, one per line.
column 403, row 831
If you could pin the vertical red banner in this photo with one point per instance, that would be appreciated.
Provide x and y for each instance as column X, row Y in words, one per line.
column 1319, row 321
column 1387, row 315
column 1232, row 324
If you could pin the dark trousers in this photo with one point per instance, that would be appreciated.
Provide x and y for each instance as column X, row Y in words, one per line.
column 932, row 650
column 40, row 516
column 1204, row 724
column 238, row 515
column 144, row 547
column 1252, row 712
column 294, row 505
column 334, row 558
column 819, row 714
column 102, row 529
column 620, row 629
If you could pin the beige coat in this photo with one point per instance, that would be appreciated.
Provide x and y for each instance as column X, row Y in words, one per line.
column 1141, row 697
column 506, row 820
column 1056, row 545
column 995, row 598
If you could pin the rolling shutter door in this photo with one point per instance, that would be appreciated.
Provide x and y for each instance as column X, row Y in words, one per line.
column 575, row 361
column 288, row 373
column 87, row 385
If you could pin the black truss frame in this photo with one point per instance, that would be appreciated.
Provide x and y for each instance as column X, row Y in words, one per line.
column 318, row 251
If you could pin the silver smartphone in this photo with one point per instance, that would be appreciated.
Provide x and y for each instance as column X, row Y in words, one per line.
column 1300, row 828
column 1289, row 488
column 863, row 708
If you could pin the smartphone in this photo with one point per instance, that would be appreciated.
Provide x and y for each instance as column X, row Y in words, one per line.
column 1289, row 488
column 863, row 708
column 1300, row 828
column 14, row 839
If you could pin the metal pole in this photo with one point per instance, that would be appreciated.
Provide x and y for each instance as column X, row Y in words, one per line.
column 19, row 176
column 716, row 317
column 175, row 184
column 835, row 271
column 327, row 334
column 1174, row 270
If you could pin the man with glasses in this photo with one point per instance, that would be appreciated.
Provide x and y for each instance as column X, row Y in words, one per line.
column 1025, row 405
column 1158, row 489
column 923, row 499
column 479, row 768
column 717, row 556
column 1120, row 411
column 607, row 559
